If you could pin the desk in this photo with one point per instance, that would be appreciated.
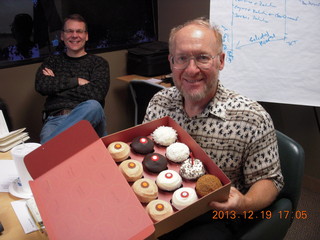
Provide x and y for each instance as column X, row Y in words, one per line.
column 9, row 220
column 128, row 78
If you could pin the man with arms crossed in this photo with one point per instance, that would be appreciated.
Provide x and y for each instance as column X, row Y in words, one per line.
column 75, row 83
column 237, row 133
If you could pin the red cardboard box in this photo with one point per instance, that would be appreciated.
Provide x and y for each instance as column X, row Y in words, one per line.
column 81, row 194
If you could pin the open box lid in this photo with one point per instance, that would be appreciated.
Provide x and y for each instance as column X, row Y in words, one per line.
column 80, row 192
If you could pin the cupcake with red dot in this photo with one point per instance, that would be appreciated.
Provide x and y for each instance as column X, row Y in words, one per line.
column 183, row 197
column 155, row 162
column 142, row 145
column 169, row 180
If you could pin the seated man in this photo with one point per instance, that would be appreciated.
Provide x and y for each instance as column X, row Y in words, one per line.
column 75, row 83
column 236, row 132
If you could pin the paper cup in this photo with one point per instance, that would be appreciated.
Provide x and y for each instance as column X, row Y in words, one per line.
column 18, row 153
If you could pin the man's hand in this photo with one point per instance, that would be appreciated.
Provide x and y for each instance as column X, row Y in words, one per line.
column 235, row 202
column 48, row 72
column 82, row 81
column 260, row 195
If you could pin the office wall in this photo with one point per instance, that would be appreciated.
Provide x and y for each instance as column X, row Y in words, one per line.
column 172, row 13
column 298, row 122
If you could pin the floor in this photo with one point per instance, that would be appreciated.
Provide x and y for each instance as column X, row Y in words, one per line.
column 310, row 227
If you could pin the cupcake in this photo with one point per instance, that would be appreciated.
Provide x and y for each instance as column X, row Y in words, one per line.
column 207, row 184
column 159, row 210
column 192, row 169
column 131, row 169
column 145, row 189
column 177, row 152
column 169, row 180
column 183, row 197
column 142, row 145
column 164, row 135
column 119, row 151
column 155, row 162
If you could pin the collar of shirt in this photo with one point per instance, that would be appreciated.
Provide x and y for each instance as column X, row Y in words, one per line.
column 216, row 107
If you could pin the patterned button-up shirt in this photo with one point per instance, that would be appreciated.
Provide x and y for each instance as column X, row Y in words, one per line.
column 236, row 132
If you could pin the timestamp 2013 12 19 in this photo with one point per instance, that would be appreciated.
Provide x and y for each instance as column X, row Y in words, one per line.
column 264, row 214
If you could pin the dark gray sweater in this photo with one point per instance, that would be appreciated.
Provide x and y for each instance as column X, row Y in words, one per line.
column 63, row 90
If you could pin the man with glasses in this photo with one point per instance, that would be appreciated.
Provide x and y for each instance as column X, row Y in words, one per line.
column 75, row 83
column 236, row 132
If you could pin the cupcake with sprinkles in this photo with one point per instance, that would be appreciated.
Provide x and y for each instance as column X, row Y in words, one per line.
column 192, row 169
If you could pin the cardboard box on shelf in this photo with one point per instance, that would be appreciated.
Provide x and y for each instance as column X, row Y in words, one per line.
column 80, row 191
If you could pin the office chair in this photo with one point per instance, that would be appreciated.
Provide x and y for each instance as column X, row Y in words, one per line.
column 292, row 166
column 5, row 112
column 142, row 92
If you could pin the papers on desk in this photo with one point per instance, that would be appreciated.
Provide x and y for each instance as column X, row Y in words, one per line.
column 8, row 140
column 21, row 210
column 8, row 173
column 152, row 80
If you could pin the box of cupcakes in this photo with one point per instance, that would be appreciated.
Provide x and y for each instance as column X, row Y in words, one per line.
column 138, row 183
column 170, row 174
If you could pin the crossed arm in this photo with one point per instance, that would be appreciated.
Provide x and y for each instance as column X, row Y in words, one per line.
column 49, row 72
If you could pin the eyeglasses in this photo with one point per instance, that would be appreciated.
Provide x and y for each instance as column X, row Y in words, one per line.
column 71, row 31
column 203, row 61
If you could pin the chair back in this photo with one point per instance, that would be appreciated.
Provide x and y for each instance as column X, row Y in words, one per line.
column 292, row 165
column 5, row 112
column 142, row 91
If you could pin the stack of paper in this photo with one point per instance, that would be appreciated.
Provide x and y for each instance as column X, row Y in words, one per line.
column 8, row 139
